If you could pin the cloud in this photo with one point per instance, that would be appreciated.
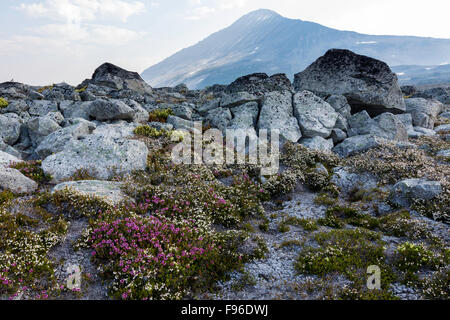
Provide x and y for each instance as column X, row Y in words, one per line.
column 204, row 8
column 78, row 11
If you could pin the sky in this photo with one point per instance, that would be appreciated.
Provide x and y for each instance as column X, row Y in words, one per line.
column 52, row 41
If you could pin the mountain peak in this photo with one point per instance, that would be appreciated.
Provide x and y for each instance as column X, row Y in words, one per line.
column 259, row 15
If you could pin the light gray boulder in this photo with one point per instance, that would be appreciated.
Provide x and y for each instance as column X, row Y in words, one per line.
column 6, row 159
column 109, row 191
column 74, row 110
column 14, row 181
column 181, row 124
column 208, row 106
column 56, row 141
column 360, row 124
column 424, row 132
column 445, row 115
column 404, row 192
column 219, row 118
column 102, row 157
column 140, row 114
column 357, row 144
column 340, row 105
column 367, row 83
column 9, row 128
column 40, row 108
column 443, row 128
column 8, row 149
column 108, row 110
column 318, row 144
column 277, row 113
column 423, row 112
column 116, row 130
column 386, row 126
column 182, row 110
column 338, row 135
column 245, row 116
column 315, row 116
column 348, row 181
column 16, row 106
column 40, row 127
column 236, row 99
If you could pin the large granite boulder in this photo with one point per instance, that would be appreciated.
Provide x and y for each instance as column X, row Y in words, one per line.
column 315, row 116
column 56, row 141
column 111, row 76
column 277, row 113
column 14, row 181
column 245, row 116
column 102, row 157
column 367, row 83
column 107, row 110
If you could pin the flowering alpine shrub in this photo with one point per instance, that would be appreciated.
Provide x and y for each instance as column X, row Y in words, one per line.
column 32, row 170
column 151, row 258
column 24, row 264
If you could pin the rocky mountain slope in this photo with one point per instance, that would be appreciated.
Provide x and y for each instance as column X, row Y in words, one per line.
column 93, row 207
column 264, row 41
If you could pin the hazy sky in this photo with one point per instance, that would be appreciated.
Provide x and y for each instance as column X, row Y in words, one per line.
column 50, row 41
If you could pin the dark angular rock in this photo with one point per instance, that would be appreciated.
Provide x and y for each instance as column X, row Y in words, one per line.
column 368, row 84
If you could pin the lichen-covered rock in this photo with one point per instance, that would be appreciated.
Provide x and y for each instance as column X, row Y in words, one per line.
column 423, row 112
column 442, row 129
column 180, row 124
column 404, row 192
column 106, row 110
column 100, row 156
column 318, row 143
column 315, row 116
column 340, row 105
column 338, row 135
column 347, row 180
column 386, row 126
column 357, row 144
column 14, row 181
column 40, row 108
column 277, row 113
column 9, row 128
column 56, row 141
column 245, row 116
column 260, row 84
column 236, row 99
column 219, row 118
column 40, row 127
column 368, row 84
column 6, row 159
column 109, row 191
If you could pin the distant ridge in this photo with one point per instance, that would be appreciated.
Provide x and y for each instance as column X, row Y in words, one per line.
column 264, row 41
